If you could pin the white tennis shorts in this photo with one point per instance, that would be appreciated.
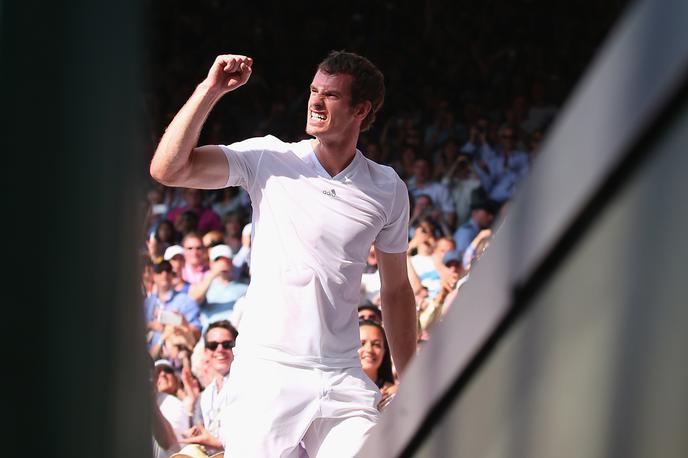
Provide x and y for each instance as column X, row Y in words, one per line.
column 274, row 407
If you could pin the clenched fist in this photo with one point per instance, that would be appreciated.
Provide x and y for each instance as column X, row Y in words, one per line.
column 229, row 71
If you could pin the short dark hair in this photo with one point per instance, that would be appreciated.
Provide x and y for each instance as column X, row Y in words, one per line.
column 162, row 266
column 224, row 324
column 368, row 83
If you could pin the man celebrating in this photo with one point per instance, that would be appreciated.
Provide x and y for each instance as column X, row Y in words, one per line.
column 318, row 205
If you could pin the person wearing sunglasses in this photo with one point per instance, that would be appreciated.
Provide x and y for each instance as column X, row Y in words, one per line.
column 218, row 341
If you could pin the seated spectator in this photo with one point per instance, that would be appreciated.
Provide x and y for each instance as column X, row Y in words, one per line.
column 420, row 183
column 164, row 237
column 376, row 360
column 195, row 259
column 172, row 408
column 218, row 291
column 501, row 169
column 186, row 223
column 175, row 256
column 461, row 180
column 370, row 280
column 424, row 210
column 162, row 305
column 208, row 220
column 423, row 263
column 219, row 339
column 483, row 212
column 370, row 312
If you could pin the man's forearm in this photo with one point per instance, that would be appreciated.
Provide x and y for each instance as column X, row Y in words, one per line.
column 399, row 318
column 171, row 158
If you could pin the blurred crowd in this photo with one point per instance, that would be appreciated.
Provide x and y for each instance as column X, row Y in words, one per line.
column 469, row 103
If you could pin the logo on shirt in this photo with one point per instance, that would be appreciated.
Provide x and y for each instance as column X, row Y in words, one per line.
column 330, row 193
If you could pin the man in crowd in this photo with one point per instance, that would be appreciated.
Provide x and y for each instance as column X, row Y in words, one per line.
column 219, row 340
column 162, row 306
column 318, row 205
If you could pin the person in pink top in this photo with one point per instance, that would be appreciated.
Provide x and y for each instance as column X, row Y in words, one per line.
column 208, row 220
column 195, row 259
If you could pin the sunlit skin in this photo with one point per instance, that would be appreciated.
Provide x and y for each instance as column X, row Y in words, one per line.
column 332, row 120
column 194, row 252
column 220, row 359
column 166, row 381
column 371, row 351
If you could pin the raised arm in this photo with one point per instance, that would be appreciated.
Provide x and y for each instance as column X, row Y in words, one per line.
column 398, row 307
column 177, row 161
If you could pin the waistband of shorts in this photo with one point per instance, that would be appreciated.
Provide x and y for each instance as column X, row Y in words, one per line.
column 282, row 357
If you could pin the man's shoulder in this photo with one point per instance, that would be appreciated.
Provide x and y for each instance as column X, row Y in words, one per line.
column 382, row 174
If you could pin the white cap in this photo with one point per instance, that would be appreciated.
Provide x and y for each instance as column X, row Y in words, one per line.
column 163, row 362
column 173, row 251
column 220, row 251
column 247, row 229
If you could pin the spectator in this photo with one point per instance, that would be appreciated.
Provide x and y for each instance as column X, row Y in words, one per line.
column 172, row 408
column 376, row 361
column 370, row 312
column 420, row 183
column 175, row 256
column 166, row 299
column 164, row 237
column 195, row 260
column 501, row 169
column 424, row 211
column 370, row 280
column 461, row 180
column 232, row 200
column 218, row 291
column 212, row 238
column 483, row 212
column 219, row 339
column 208, row 220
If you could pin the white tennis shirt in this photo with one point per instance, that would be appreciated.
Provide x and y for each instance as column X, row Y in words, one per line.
column 310, row 240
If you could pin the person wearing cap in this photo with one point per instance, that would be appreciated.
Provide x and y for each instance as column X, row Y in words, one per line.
column 165, row 298
column 172, row 408
column 175, row 256
column 218, row 291
column 483, row 211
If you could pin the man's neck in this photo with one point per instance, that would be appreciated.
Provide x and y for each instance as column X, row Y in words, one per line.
column 334, row 156
column 164, row 293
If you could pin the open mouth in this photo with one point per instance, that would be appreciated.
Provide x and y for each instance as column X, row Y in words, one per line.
column 317, row 116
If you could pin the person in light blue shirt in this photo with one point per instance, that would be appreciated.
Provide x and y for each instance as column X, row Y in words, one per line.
column 483, row 212
column 218, row 291
column 502, row 169
column 165, row 298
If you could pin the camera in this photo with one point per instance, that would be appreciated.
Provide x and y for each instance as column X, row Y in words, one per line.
column 167, row 317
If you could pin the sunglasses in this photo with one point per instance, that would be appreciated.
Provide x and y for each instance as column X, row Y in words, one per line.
column 226, row 344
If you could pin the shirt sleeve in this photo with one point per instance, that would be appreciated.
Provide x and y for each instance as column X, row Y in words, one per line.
column 244, row 158
column 393, row 238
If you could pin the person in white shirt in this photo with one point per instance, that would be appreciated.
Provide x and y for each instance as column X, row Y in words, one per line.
column 318, row 205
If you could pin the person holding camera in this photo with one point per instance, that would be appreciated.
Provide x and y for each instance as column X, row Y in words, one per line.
column 165, row 306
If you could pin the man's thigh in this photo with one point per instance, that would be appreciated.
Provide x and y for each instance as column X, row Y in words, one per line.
column 270, row 407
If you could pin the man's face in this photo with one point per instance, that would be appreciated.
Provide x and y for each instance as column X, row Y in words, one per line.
column 194, row 251
column 483, row 218
column 163, row 279
column 330, row 114
column 508, row 138
column 220, row 358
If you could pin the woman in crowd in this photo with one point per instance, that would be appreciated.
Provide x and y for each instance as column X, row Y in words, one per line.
column 376, row 360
